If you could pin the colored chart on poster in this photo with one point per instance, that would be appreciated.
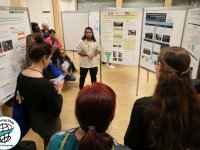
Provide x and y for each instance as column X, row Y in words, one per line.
column 14, row 27
column 121, row 34
column 161, row 28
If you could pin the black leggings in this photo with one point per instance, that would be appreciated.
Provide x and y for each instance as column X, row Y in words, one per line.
column 83, row 74
column 44, row 125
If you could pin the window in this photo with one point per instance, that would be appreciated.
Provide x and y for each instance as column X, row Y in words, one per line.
column 142, row 3
column 180, row 2
column 186, row 2
column 95, row 4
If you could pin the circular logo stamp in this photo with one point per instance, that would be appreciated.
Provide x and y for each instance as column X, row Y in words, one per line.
column 9, row 132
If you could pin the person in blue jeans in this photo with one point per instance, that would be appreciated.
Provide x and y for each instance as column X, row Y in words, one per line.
column 94, row 110
column 65, row 64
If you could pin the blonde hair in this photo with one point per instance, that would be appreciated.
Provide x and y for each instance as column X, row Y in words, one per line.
column 44, row 24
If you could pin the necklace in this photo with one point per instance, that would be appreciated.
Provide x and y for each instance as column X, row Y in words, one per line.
column 32, row 68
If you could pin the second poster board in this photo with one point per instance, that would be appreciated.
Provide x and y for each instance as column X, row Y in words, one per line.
column 94, row 24
column 162, row 27
column 191, row 40
column 73, row 25
column 120, row 35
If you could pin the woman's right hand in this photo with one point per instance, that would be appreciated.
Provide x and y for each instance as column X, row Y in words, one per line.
column 60, row 86
column 55, row 46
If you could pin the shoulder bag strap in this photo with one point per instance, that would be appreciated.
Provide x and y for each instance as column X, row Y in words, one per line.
column 64, row 140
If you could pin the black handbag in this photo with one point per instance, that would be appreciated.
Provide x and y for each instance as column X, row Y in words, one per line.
column 25, row 145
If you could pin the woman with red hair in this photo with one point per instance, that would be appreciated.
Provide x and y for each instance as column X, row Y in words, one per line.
column 94, row 110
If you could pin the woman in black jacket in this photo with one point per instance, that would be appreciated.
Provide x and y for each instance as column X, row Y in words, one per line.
column 170, row 119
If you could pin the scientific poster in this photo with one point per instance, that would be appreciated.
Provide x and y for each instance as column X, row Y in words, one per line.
column 161, row 28
column 94, row 24
column 14, row 26
column 121, row 34
column 191, row 40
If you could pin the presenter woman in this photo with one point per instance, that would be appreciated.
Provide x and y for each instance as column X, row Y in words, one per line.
column 42, row 98
column 88, row 49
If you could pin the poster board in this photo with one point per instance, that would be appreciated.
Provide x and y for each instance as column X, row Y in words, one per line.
column 191, row 39
column 121, row 35
column 94, row 24
column 73, row 25
column 14, row 27
column 162, row 27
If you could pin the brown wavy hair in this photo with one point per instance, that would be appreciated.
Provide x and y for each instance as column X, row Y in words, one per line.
column 173, row 115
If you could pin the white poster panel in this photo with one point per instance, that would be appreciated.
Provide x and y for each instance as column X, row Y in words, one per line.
column 161, row 28
column 5, row 3
column 94, row 24
column 120, row 35
column 73, row 24
column 191, row 39
column 14, row 27
column 46, row 18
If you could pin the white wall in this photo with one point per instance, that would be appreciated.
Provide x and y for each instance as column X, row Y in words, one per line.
column 40, row 11
column 69, row 5
column 5, row 3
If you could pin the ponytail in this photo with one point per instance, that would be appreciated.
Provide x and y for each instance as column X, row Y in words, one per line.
column 94, row 140
column 92, row 102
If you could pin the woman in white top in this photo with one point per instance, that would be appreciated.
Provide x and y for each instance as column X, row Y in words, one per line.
column 88, row 49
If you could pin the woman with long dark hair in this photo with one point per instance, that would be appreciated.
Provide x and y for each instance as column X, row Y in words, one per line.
column 88, row 49
column 170, row 119
column 94, row 110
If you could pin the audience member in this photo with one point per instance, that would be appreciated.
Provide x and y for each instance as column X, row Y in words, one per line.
column 51, row 71
column 39, row 94
column 169, row 120
column 35, row 27
column 65, row 64
column 45, row 30
column 94, row 110
column 55, row 42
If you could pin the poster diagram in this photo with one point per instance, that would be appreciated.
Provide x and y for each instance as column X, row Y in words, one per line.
column 160, row 29
column 14, row 26
column 191, row 40
column 120, row 35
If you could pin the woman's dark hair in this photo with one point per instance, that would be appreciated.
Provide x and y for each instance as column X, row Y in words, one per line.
column 35, row 27
column 174, row 106
column 95, row 107
column 84, row 37
column 52, row 31
column 29, row 41
column 38, row 48
column 60, row 57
